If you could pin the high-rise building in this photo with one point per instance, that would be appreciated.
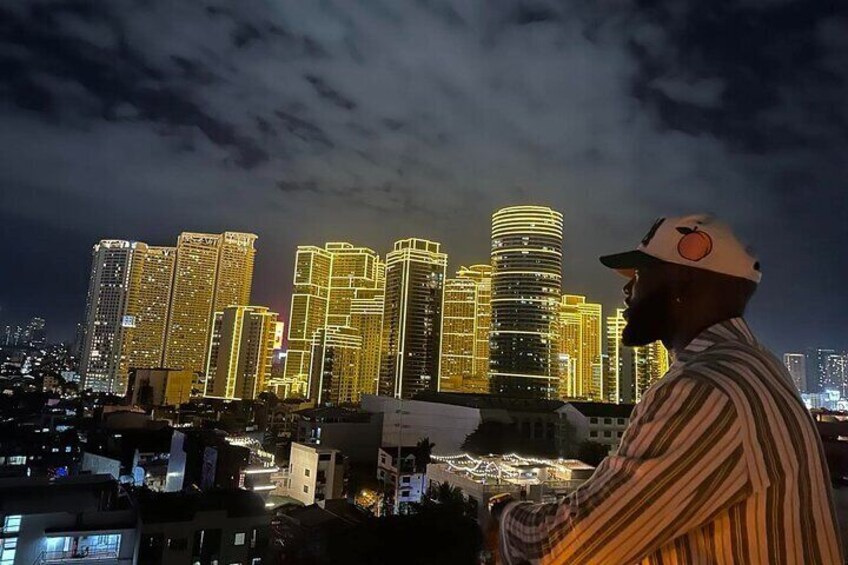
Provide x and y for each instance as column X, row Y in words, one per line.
column 526, row 288
column 651, row 362
column 366, row 316
column 335, row 360
column 240, row 348
column 570, row 351
column 618, row 376
column 412, row 314
column 796, row 364
column 458, row 334
column 816, row 368
column 581, row 338
column 114, row 267
column 836, row 373
column 354, row 269
column 331, row 283
column 211, row 272
column 36, row 335
column 148, row 303
column 466, row 321
column 307, row 315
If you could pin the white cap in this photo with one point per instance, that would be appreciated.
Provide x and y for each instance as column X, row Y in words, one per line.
column 698, row 241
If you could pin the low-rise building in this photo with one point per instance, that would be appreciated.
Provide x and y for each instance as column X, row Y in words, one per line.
column 413, row 479
column 74, row 519
column 538, row 480
column 599, row 422
column 355, row 433
column 315, row 474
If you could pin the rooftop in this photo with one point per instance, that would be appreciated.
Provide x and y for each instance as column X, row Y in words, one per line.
column 491, row 401
column 603, row 409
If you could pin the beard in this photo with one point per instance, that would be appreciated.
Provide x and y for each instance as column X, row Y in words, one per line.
column 647, row 320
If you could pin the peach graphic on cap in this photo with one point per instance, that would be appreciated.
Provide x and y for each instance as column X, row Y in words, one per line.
column 694, row 245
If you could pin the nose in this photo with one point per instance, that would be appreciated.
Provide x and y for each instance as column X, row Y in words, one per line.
column 628, row 290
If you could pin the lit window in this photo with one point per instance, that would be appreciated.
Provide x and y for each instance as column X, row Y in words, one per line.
column 239, row 539
column 12, row 524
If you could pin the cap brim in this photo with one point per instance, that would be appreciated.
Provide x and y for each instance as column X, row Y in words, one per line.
column 626, row 263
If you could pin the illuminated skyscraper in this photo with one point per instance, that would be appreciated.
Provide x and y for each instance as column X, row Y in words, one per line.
column 526, row 287
column 235, row 270
column 796, row 364
column 617, row 385
column 415, row 276
column 149, row 300
column 583, row 345
column 211, row 272
column 652, row 362
column 458, row 334
column 342, row 276
column 836, row 373
column 35, row 335
column 115, row 264
column 570, row 350
column 466, row 321
column 353, row 270
column 308, row 314
column 366, row 316
column 335, row 360
column 240, row 348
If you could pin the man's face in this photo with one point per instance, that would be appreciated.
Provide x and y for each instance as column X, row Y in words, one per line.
column 649, row 299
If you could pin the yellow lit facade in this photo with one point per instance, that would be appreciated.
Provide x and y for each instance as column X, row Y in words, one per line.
column 241, row 344
column 616, row 381
column 652, row 362
column 211, row 272
column 354, row 269
column 335, row 364
column 308, row 314
column 366, row 316
column 581, row 339
column 526, row 286
column 415, row 277
column 149, row 300
column 466, row 319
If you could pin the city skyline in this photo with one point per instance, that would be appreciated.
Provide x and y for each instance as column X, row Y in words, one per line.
column 452, row 112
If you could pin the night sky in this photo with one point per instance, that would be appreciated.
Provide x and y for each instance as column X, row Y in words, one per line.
column 312, row 120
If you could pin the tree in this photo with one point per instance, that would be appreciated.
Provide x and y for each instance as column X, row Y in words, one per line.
column 592, row 453
column 493, row 437
column 423, row 449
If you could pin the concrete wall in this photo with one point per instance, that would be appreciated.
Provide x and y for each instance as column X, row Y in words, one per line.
column 447, row 426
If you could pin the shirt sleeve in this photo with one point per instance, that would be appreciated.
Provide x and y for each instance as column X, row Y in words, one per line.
column 680, row 463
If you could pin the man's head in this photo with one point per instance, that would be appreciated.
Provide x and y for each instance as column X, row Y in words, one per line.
column 687, row 274
column 664, row 299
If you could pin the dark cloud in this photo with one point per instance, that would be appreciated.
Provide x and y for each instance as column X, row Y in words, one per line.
column 313, row 121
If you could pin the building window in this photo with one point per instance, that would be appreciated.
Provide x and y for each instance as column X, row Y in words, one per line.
column 405, row 480
column 607, row 433
column 239, row 539
column 306, row 472
column 306, row 489
column 620, row 434
column 593, row 420
column 607, row 421
column 178, row 544
column 404, row 493
column 12, row 524
column 620, row 421
column 593, row 433
column 8, row 547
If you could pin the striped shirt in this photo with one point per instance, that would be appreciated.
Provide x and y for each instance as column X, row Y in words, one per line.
column 721, row 463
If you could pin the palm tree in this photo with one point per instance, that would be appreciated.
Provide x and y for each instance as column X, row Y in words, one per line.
column 423, row 449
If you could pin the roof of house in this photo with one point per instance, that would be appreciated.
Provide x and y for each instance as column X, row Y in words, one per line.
column 603, row 409
column 491, row 401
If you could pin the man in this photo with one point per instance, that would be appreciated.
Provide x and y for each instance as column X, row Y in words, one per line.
column 722, row 462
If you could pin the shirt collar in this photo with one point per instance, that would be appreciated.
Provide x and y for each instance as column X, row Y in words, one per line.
column 734, row 329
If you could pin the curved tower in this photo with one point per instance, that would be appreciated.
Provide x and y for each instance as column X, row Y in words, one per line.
column 526, row 289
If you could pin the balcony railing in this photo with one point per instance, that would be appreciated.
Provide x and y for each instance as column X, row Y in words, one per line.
column 83, row 555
